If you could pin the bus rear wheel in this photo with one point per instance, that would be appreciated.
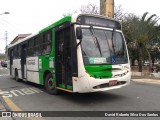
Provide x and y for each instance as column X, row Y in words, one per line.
column 49, row 85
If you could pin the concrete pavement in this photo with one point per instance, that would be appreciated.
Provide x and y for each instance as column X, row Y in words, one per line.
column 153, row 78
column 148, row 75
column 147, row 80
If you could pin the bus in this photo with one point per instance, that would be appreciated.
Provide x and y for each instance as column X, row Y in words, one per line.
column 78, row 54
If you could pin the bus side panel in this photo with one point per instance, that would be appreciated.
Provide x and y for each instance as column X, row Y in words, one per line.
column 16, row 65
column 8, row 66
column 32, row 70
column 47, row 62
column 41, row 69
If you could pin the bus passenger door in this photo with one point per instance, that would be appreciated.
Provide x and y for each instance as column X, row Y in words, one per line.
column 11, row 61
column 23, row 61
column 63, row 58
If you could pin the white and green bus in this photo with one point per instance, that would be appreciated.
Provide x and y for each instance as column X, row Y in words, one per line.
column 84, row 53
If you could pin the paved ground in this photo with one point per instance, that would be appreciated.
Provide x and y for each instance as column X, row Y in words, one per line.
column 139, row 96
column 136, row 97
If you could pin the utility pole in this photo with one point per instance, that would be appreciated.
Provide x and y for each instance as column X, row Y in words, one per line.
column 107, row 8
column 6, row 37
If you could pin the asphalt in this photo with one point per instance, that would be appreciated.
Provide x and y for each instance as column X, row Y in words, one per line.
column 139, row 79
column 3, row 109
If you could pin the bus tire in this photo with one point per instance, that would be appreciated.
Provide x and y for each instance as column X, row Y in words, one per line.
column 49, row 85
column 16, row 76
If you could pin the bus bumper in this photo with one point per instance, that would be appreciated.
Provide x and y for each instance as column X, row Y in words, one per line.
column 86, row 83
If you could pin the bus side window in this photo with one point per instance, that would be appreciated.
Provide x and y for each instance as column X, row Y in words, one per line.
column 47, row 38
column 30, row 48
column 37, row 41
column 61, row 46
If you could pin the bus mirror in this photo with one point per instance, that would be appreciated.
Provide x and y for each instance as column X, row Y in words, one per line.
column 79, row 33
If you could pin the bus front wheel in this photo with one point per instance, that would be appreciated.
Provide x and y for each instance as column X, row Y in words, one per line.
column 50, row 86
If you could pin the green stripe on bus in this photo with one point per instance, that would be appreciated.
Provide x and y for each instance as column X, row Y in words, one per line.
column 69, row 87
column 62, row 86
column 67, row 18
column 99, row 71
column 44, row 65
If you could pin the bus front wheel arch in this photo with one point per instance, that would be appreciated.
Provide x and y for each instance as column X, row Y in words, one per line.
column 49, row 84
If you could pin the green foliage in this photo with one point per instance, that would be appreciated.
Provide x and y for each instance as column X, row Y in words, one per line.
column 141, row 34
column 2, row 57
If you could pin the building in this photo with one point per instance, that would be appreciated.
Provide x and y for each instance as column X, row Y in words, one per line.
column 19, row 37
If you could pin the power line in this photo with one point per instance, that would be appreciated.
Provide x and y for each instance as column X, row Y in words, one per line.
column 11, row 25
column 5, row 27
column 14, row 25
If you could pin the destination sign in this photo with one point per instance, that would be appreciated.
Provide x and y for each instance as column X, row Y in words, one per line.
column 99, row 21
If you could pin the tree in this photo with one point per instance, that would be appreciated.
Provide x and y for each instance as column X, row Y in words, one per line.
column 119, row 14
column 141, row 31
column 85, row 9
column 147, row 32
column 89, row 9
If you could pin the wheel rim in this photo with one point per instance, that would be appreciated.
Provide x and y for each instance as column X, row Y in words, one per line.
column 51, row 83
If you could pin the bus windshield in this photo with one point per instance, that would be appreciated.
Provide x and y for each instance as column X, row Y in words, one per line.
column 103, row 47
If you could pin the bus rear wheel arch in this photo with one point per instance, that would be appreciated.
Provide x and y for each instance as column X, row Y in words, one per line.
column 49, row 84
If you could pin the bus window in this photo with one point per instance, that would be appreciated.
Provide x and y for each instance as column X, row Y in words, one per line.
column 30, row 48
column 48, row 48
column 47, row 37
column 37, row 46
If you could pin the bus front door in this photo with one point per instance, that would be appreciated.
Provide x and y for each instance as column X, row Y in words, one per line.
column 63, row 59
column 23, row 61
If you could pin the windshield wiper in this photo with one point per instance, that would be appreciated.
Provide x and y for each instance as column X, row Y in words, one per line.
column 95, row 39
column 112, row 40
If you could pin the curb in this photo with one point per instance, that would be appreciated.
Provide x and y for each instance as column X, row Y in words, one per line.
column 151, row 81
column 148, row 75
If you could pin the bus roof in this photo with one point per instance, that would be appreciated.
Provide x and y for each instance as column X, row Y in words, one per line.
column 65, row 19
column 22, row 40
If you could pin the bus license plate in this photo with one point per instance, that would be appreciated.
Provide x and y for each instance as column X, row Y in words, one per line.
column 113, row 82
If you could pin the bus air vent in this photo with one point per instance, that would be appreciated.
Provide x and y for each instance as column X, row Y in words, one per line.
column 100, row 77
column 107, row 85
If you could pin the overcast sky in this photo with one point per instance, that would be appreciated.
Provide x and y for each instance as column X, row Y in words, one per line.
column 30, row 16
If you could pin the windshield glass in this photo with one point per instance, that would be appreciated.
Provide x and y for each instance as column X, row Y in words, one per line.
column 103, row 47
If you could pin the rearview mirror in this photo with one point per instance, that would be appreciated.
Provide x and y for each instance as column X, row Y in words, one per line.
column 79, row 33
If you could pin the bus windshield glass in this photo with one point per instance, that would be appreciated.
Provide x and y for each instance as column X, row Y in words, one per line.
column 103, row 47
